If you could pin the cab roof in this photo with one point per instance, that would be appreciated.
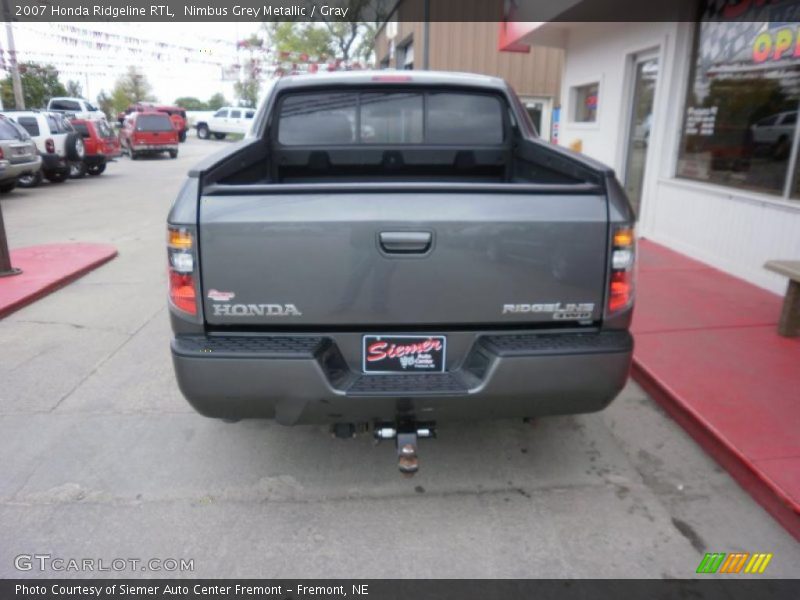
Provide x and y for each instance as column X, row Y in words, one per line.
column 391, row 76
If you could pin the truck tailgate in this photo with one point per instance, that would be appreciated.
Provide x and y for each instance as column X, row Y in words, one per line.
column 388, row 258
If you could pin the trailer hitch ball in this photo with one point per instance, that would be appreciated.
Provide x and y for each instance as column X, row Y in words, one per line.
column 407, row 461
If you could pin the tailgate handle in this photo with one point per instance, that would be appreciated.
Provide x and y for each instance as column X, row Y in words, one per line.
column 406, row 242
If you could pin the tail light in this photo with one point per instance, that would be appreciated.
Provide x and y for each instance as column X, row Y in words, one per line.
column 2, row 156
column 622, row 282
column 50, row 146
column 180, row 250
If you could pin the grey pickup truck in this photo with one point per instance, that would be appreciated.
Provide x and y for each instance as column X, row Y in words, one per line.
column 389, row 250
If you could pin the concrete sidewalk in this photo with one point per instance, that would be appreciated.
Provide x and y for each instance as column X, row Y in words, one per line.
column 47, row 267
column 708, row 351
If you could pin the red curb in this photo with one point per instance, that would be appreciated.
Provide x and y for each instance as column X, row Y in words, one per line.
column 47, row 268
column 771, row 497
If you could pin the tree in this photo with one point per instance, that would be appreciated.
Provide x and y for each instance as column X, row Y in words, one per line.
column 39, row 84
column 364, row 19
column 106, row 104
column 74, row 89
column 132, row 87
column 191, row 103
column 247, row 92
column 216, row 102
column 291, row 36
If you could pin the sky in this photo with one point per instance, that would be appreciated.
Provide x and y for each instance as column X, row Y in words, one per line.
column 95, row 54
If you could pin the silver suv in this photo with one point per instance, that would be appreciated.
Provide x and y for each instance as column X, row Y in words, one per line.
column 18, row 155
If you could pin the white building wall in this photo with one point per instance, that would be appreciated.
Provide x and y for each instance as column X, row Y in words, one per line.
column 734, row 230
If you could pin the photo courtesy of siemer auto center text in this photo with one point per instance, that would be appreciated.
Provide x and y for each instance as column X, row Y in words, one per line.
column 399, row 299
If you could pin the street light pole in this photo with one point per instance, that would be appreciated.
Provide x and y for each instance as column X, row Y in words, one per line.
column 16, row 82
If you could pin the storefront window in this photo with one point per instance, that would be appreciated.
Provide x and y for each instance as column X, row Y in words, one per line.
column 741, row 110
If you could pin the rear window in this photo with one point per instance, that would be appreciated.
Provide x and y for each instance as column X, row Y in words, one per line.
column 30, row 125
column 8, row 131
column 460, row 118
column 153, row 123
column 82, row 129
column 103, row 129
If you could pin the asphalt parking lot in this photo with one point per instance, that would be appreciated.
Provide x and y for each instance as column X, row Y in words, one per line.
column 103, row 459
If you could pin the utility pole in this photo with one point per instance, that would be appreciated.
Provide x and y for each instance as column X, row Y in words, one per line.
column 19, row 99
column 5, row 256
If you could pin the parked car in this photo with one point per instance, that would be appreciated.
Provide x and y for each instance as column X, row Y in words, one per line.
column 56, row 140
column 18, row 155
column 775, row 133
column 176, row 114
column 101, row 145
column 148, row 133
column 390, row 251
column 75, row 107
column 228, row 119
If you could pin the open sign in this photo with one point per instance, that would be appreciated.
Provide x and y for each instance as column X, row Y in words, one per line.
column 776, row 45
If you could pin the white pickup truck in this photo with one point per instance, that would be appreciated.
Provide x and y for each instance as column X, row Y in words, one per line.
column 228, row 119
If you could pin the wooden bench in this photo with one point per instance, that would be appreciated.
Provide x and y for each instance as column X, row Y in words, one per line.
column 789, row 325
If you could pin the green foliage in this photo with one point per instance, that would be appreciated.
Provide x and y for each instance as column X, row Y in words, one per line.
column 216, row 102
column 132, row 87
column 247, row 92
column 74, row 89
column 290, row 36
column 39, row 84
column 191, row 103
column 105, row 104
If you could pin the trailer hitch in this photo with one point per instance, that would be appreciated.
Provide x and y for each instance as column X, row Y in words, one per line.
column 405, row 434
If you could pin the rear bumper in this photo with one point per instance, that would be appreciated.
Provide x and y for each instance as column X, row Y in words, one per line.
column 11, row 170
column 154, row 147
column 305, row 379
column 54, row 162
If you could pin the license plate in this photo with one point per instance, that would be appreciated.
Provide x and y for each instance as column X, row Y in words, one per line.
column 21, row 151
column 403, row 353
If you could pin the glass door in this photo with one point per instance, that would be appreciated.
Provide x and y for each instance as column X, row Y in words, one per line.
column 641, row 120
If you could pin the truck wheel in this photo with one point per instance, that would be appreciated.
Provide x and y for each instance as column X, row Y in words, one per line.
column 182, row 136
column 74, row 146
column 30, row 180
column 77, row 170
column 202, row 131
column 220, row 136
column 57, row 176
column 96, row 169
column 173, row 154
column 7, row 187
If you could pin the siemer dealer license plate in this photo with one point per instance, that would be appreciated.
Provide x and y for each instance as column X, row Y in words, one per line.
column 403, row 353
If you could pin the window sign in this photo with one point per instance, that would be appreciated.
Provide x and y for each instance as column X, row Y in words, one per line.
column 743, row 95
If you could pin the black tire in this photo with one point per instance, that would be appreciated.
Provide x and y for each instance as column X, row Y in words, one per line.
column 96, row 169
column 77, row 170
column 220, row 136
column 173, row 154
column 8, row 186
column 57, row 176
column 30, row 180
column 182, row 136
column 202, row 131
column 134, row 155
column 74, row 147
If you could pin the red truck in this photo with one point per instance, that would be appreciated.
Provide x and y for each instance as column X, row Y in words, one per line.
column 177, row 115
column 148, row 133
column 100, row 145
